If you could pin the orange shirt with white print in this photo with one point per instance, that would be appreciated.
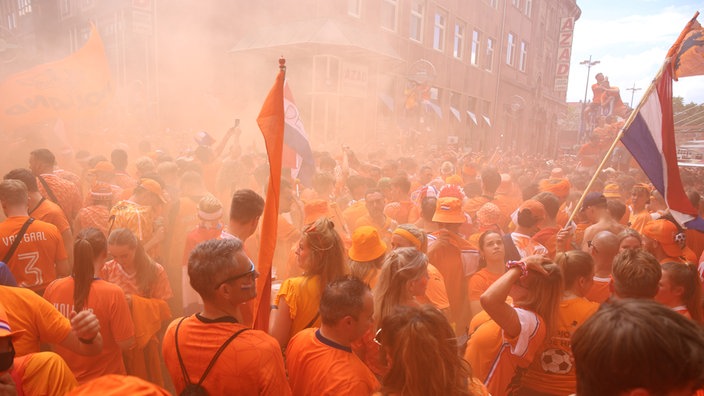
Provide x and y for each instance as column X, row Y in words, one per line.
column 108, row 303
column 34, row 262
column 552, row 371
column 500, row 361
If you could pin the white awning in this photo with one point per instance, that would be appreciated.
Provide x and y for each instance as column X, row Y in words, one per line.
column 456, row 113
column 473, row 117
column 487, row 119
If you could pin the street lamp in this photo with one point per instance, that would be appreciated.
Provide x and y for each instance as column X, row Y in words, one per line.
column 582, row 125
column 633, row 91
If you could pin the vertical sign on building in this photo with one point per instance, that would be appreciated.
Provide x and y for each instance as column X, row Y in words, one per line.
column 564, row 53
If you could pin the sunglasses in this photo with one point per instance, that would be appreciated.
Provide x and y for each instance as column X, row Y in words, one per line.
column 251, row 273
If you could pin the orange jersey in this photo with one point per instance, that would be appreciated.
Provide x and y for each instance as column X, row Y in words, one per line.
column 548, row 237
column 600, row 290
column 552, row 371
column 137, row 218
column 498, row 360
column 97, row 216
column 526, row 245
column 319, row 366
column 34, row 262
column 108, row 303
column 302, row 295
column 50, row 212
column 479, row 282
column 113, row 272
column 28, row 311
column 68, row 195
column 638, row 220
column 251, row 364
column 452, row 256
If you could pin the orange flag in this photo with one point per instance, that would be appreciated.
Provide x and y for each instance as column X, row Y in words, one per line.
column 271, row 122
column 71, row 88
column 687, row 54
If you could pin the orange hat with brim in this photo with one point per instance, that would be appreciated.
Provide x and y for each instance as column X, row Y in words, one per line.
column 366, row 244
column 153, row 187
column 449, row 210
column 103, row 166
column 664, row 231
column 537, row 210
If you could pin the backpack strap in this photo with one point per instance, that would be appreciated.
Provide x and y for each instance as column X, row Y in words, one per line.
column 312, row 322
column 48, row 190
column 212, row 361
column 17, row 240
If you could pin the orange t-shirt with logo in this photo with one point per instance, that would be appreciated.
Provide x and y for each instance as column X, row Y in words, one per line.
column 34, row 262
column 552, row 371
column 108, row 303
column 252, row 364
column 319, row 366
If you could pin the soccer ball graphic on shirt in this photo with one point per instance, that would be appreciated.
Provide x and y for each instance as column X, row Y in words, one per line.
column 556, row 361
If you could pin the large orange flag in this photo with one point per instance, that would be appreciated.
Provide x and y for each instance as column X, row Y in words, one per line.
column 271, row 123
column 71, row 88
column 688, row 51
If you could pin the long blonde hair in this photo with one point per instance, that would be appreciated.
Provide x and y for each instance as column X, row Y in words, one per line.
column 327, row 254
column 400, row 266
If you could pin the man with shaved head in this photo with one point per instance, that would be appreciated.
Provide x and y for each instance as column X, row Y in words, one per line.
column 603, row 248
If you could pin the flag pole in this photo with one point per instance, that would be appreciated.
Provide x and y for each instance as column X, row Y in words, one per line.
column 628, row 123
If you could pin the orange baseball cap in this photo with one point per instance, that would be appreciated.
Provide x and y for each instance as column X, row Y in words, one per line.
column 536, row 209
column 366, row 244
column 153, row 187
column 664, row 231
column 449, row 210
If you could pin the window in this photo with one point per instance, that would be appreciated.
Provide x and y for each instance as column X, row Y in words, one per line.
column 458, row 47
column 528, row 7
column 417, row 17
column 389, row 10
column 24, row 7
column 523, row 56
column 439, row 29
column 476, row 45
column 516, row 3
column 493, row 3
column 65, row 8
column 11, row 21
column 354, row 8
column 489, row 58
column 510, row 49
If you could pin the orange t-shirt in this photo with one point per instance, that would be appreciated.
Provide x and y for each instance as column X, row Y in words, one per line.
column 319, row 366
column 435, row 294
column 600, row 290
column 552, row 371
column 479, row 282
column 251, row 364
column 67, row 194
column 548, row 237
column 27, row 311
column 302, row 295
column 108, row 303
column 34, row 262
column 50, row 212
column 42, row 373
column 639, row 220
column 494, row 358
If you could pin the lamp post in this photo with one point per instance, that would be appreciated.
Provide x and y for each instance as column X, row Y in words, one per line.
column 582, row 125
column 633, row 91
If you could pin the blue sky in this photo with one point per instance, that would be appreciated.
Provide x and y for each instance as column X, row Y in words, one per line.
column 630, row 38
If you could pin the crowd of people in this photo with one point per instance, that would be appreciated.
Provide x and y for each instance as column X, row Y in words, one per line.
column 440, row 273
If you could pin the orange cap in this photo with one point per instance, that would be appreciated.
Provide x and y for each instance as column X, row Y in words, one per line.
column 664, row 231
column 153, row 187
column 537, row 210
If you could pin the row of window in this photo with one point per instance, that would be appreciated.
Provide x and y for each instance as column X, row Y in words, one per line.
column 481, row 49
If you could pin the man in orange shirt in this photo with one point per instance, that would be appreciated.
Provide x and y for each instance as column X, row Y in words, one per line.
column 603, row 249
column 321, row 361
column 40, row 255
column 374, row 201
column 249, row 361
column 399, row 206
column 43, row 209
column 53, row 187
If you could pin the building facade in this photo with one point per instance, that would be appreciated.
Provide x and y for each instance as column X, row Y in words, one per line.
column 479, row 74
